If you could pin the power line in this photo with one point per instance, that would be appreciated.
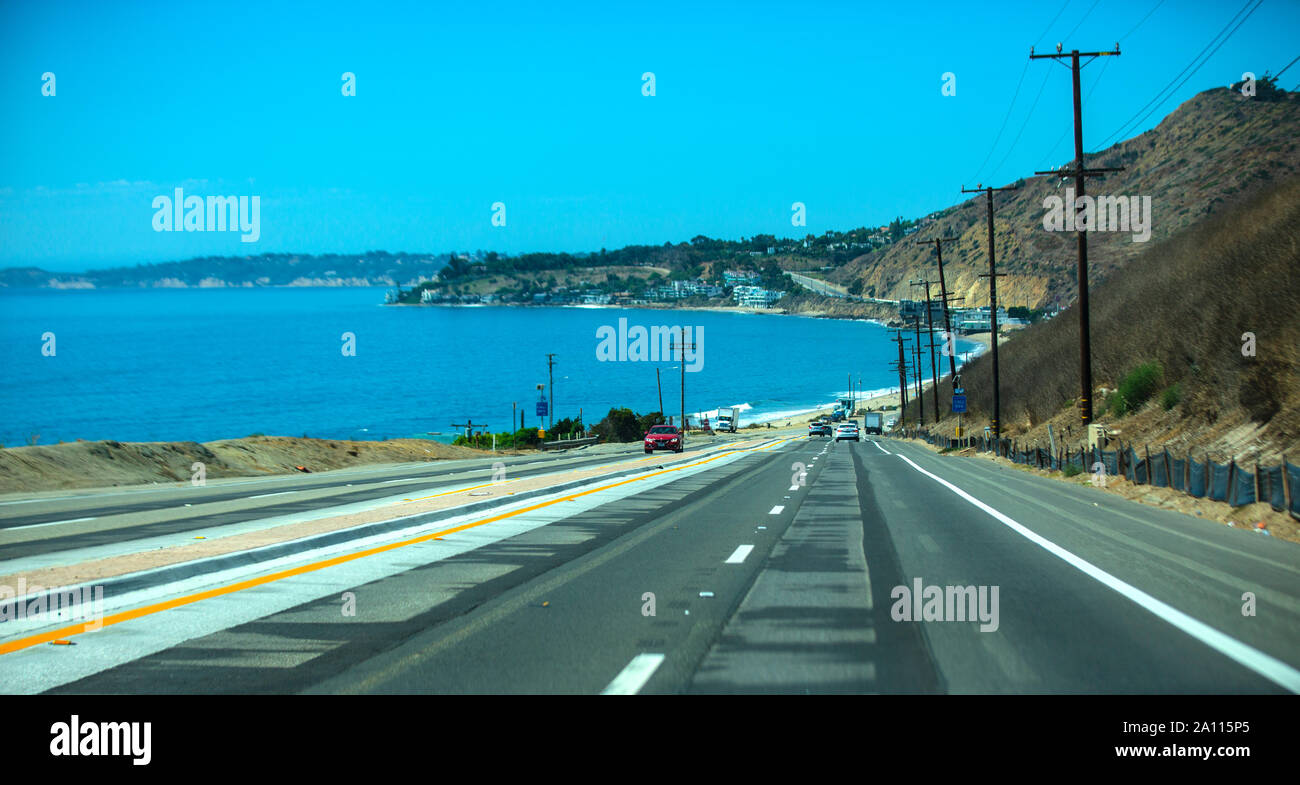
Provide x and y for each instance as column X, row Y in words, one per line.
column 998, row 137
column 1288, row 65
column 1003, row 127
column 1049, row 24
column 1167, row 88
column 1052, row 150
column 1139, row 24
column 1081, row 21
column 1023, row 126
column 1041, row 87
column 1203, row 62
column 1086, row 98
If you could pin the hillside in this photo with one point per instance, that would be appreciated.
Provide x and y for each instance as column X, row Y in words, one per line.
column 1215, row 149
column 1185, row 303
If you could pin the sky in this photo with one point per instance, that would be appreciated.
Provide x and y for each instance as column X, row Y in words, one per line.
column 541, row 108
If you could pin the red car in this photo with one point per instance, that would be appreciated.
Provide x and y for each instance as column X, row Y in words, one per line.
column 664, row 437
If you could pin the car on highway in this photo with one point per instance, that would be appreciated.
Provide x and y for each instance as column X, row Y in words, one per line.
column 819, row 428
column 848, row 430
column 890, row 423
column 664, row 437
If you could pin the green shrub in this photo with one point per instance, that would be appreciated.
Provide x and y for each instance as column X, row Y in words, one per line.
column 1071, row 470
column 1137, row 388
column 1171, row 397
column 1117, row 404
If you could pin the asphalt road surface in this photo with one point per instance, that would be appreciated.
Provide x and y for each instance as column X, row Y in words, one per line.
column 779, row 570
column 76, row 520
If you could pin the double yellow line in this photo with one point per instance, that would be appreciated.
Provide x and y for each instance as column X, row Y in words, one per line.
column 159, row 607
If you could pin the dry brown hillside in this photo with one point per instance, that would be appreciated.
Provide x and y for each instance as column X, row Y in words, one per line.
column 1184, row 303
column 1215, row 150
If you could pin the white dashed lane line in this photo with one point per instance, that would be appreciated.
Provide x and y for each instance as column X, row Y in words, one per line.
column 777, row 509
column 632, row 678
column 740, row 554
column 51, row 523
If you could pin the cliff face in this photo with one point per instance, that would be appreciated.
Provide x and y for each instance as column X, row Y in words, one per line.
column 1217, row 149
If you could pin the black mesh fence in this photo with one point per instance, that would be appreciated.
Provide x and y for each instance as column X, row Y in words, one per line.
column 1196, row 483
column 1230, row 482
column 1270, row 487
column 1218, row 482
column 1243, row 487
column 1293, row 488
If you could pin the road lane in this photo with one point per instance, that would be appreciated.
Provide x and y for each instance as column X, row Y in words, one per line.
column 752, row 591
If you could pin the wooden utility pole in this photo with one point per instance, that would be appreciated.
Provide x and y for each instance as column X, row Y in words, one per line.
column 934, row 370
column 659, row 384
column 1080, row 173
column 902, row 374
column 916, row 366
column 550, row 376
column 993, row 302
column 943, row 293
column 682, row 362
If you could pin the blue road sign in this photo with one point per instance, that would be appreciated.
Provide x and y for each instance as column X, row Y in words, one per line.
column 541, row 408
column 959, row 404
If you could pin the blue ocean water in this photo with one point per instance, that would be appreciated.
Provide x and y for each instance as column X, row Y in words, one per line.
column 204, row 364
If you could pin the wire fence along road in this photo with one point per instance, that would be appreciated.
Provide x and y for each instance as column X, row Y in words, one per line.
column 1230, row 482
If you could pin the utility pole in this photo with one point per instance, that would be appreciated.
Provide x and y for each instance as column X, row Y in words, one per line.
column 943, row 293
column 902, row 374
column 682, row 362
column 550, row 376
column 934, row 371
column 993, row 301
column 514, row 408
column 660, row 385
column 1080, row 173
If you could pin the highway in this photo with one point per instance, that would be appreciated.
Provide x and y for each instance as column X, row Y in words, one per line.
column 102, row 517
column 774, row 568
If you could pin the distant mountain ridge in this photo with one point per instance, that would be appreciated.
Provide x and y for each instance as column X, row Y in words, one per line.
column 1217, row 148
column 373, row 268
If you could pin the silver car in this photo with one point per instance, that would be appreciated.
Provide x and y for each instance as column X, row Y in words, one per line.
column 848, row 430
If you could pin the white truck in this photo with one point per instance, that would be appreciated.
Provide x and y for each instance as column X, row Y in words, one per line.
column 871, row 423
column 728, row 419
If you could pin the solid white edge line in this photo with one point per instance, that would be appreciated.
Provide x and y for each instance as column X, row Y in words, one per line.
column 633, row 677
column 739, row 555
column 882, row 449
column 1265, row 665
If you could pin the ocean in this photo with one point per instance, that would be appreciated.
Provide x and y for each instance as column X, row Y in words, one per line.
column 205, row 364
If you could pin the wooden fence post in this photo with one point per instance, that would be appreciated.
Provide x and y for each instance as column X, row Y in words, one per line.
column 1232, row 476
column 1286, row 486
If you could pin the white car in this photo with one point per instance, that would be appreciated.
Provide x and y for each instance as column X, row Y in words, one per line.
column 890, row 423
column 848, row 430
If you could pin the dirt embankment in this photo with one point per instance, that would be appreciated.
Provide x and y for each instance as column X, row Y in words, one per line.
column 102, row 464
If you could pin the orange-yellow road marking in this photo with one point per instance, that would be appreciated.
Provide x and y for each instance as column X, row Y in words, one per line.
column 158, row 607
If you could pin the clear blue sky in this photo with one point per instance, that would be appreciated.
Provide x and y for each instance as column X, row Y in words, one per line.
column 757, row 105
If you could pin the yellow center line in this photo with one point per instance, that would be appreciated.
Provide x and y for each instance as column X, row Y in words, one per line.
column 158, row 607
